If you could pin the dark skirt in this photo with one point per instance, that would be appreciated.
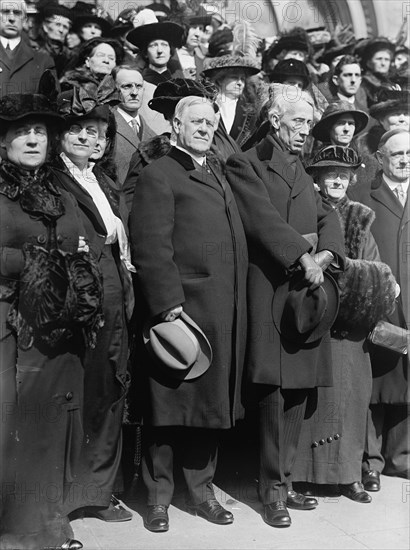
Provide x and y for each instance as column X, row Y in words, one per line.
column 104, row 393
column 332, row 440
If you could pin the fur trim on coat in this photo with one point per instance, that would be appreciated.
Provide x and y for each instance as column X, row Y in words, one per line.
column 367, row 287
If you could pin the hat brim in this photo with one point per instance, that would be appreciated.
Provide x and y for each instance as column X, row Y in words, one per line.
column 81, row 20
column 324, row 163
column 328, row 56
column 250, row 71
column 384, row 107
column 168, row 31
column 200, row 366
column 44, row 116
column 322, row 128
column 290, row 333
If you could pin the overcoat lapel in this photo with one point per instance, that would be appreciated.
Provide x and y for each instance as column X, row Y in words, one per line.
column 24, row 54
column 125, row 130
column 383, row 194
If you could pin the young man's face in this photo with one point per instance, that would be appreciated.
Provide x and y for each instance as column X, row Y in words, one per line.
column 349, row 79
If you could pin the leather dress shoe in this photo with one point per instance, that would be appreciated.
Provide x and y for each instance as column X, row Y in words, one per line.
column 297, row 501
column 355, row 491
column 276, row 514
column 212, row 511
column 371, row 480
column 71, row 544
column 157, row 519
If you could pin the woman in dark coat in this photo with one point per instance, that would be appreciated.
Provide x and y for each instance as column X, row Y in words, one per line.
column 332, row 443
column 104, row 216
column 50, row 307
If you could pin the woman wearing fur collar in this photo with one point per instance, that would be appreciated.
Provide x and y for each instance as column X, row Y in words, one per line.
column 333, row 438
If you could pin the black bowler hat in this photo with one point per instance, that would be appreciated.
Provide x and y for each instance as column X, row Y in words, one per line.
column 333, row 111
column 302, row 315
column 170, row 32
column 335, row 155
column 288, row 68
column 168, row 94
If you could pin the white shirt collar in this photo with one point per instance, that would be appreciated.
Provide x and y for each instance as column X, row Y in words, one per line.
column 199, row 160
column 127, row 117
column 13, row 42
column 346, row 98
column 393, row 184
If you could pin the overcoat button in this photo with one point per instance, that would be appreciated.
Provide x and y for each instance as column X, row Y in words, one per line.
column 69, row 395
column 59, row 239
column 41, row 239
column 315, row 444
column 322, row 441
column 329, row 439
column 337, row 436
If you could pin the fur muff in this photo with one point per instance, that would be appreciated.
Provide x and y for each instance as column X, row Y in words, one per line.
column 367, row 287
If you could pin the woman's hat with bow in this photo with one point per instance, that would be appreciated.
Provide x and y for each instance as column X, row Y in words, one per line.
column 89, row 100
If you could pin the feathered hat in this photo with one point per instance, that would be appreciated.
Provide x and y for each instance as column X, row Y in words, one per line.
column 342, row 42
column 243, row 56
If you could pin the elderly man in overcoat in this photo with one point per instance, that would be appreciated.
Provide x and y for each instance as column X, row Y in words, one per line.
column 387, row 449
column 189, row 249
column 283, row 217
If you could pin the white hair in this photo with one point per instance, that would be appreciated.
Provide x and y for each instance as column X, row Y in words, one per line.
column 189, row 101
column 282, row 96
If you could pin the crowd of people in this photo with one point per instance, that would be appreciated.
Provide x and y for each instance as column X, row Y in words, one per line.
column 197, row 226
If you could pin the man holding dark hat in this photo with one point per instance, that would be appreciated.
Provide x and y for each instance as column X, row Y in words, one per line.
column 189, row 247
column 293, row 237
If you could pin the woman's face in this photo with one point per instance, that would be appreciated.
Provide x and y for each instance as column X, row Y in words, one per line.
column 26, row 143
column 90, row 30
column 79, row 140
column 102, row 142
column 102, row 60
column 334, row 181
column 233, row 84
column 342, row 131
column 380, row 62
column 72, row 40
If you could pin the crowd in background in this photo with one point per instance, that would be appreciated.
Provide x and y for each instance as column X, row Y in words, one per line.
column 196, row 224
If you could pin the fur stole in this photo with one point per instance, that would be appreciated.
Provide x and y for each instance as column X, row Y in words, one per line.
column 367, row 288
column 77, row 78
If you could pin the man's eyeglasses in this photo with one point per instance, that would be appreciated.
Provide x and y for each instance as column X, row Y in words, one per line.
column 25, row 131
column 343, row 176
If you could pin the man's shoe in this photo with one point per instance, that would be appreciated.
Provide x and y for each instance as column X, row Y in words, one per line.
column 297, row 501
column 212, row 511
column 157, row 519
column 371, row 480
column 276, row 514
column 355, row 491
column 71, row 544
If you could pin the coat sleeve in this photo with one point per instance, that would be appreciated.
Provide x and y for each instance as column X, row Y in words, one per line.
column 264, row 226
column 134, row 170
column 329, row 230
column 151, row 226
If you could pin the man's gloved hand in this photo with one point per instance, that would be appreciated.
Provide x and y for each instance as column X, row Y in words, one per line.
column 313, row 272
column 324, row 258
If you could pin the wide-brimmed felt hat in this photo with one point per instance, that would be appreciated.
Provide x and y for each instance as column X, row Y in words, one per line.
column 289, row 43
column 55, row 9
column 180, row 348
column 333, row 50
column 212, row 65
column 290, row 67
column 376, row 45
column 168, row 94
column 302, row 315
column 335, row 155
column 389, row 101
column 170, row 32
column 87, row 13
column 333, row 111
column 15, row 107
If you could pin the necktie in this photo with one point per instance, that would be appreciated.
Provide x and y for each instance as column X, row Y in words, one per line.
column 8, row 50
column 135, row 126
column 400, row 194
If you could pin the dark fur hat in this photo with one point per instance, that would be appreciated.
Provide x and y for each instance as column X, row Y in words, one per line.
column 15, row 107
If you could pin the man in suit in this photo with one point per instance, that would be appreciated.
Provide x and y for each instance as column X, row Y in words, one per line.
column 188, row 245
column 285, row 219
column 387, row 448
column 131, row 126
column 20, row 66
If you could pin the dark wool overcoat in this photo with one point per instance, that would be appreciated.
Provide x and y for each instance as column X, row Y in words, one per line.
column 105, row 366
column 21, row 73
column 41, row 393
column 189, row 248
column 391, row 231
column 278, row 205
